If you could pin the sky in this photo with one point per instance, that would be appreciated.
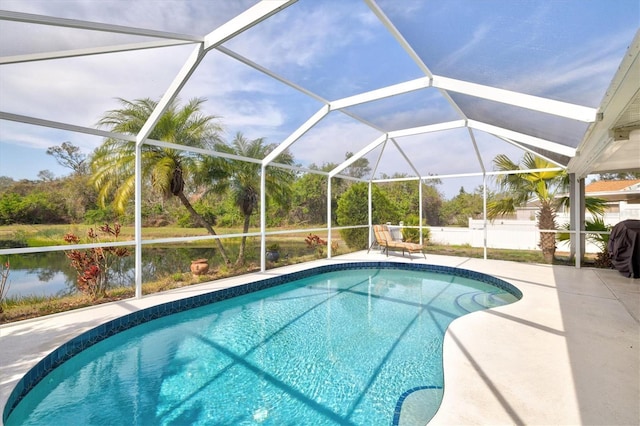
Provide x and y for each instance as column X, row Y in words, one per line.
column 565, row 50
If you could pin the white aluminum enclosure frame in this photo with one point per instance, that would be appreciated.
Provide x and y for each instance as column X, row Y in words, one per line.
column 579, row 164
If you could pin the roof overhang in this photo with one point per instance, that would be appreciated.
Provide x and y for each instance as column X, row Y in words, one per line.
column 629, row 196
column 612, row 144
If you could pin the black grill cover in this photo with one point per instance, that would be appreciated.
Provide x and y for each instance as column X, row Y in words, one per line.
column 624, row 247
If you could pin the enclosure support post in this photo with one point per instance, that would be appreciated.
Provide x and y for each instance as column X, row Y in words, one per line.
column 329, row 217
column 576, row 215
column 263, row 218
column 138, row 220
column 369, row 215
column 420, row 209
column 484, row 212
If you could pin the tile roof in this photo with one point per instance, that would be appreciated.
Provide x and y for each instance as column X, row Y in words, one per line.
column 610, row 185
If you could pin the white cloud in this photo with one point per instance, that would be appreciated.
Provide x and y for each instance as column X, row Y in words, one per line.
column 581, row 76
column 406, row 8
column 478, row 37
column 79, row 90
column 303, row 37
column 188, row 17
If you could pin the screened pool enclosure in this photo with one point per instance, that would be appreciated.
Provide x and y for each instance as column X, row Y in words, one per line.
column 423, row 90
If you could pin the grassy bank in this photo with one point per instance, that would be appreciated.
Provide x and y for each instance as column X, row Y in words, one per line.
column 52, row 235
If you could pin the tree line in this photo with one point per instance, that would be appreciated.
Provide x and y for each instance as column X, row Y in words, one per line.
column 222, row 190
column 186, row 188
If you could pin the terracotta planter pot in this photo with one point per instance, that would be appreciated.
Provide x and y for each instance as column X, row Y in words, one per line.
column 199, row 267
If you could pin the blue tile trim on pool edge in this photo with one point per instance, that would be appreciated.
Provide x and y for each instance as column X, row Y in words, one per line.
column 101, row 332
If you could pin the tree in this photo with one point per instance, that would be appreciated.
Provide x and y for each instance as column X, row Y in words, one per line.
column 5, row 183
column 310, row 191
column 404, row 195
column 619, row 176
column 80, row 196
column 544, row 186
column 359, row 168
column 460, row 208
column 353, row 210
column 431, row 204
column 68, row 155
column 243, row 178
column 169, row 170
column 37, row 206
column 310, row 196
column 46, row 175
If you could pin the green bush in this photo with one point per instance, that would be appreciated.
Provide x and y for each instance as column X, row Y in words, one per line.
column 411, row 235
column 353, row 210
column 33, row 208
column 185, row 220
column 104, row 215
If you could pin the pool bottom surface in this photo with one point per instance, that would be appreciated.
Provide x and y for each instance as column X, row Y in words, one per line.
column 341, row 347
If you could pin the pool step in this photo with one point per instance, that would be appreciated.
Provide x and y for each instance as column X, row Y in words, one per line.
column 417, row 406
column 478, row 300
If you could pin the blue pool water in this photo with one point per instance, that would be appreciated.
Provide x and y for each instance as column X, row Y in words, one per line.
column 344, row 347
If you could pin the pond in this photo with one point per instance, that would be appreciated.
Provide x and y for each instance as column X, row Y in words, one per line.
column 50, row 274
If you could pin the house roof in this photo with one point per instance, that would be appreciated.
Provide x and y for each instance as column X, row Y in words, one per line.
column 615, row 190
column 611, row 185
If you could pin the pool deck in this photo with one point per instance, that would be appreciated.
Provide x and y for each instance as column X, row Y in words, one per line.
column 568, row 353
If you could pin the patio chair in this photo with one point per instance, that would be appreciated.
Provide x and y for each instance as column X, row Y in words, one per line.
column 385, row 240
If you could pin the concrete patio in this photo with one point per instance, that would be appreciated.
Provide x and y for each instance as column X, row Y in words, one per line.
column 567, row 353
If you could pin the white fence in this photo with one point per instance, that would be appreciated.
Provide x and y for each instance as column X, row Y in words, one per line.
column 504, row 234
column 514, row 234
column 507, row 234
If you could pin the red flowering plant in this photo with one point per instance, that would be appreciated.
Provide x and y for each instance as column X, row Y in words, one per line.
column 318, row 244
column 93, row 264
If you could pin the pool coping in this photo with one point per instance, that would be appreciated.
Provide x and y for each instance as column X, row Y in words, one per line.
column 125, row 322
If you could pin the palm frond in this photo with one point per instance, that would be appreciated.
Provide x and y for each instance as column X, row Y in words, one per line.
column 500, row 206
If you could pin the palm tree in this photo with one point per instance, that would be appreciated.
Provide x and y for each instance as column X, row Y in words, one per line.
column 519, row 188
column 601, row 240
column 113, row 163
column 244, row 178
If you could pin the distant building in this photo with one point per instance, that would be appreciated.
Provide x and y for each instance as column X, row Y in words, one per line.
column 622, row 197
column 631, row 186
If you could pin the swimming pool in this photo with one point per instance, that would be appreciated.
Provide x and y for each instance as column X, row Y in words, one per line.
column 341, row 344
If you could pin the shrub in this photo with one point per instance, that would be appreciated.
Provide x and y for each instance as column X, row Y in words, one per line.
column 99, row 215
column 316, row 243
column 412, row 235
column 33, row 208
column 93, row 265
column 595, row 225
column 186, row 220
